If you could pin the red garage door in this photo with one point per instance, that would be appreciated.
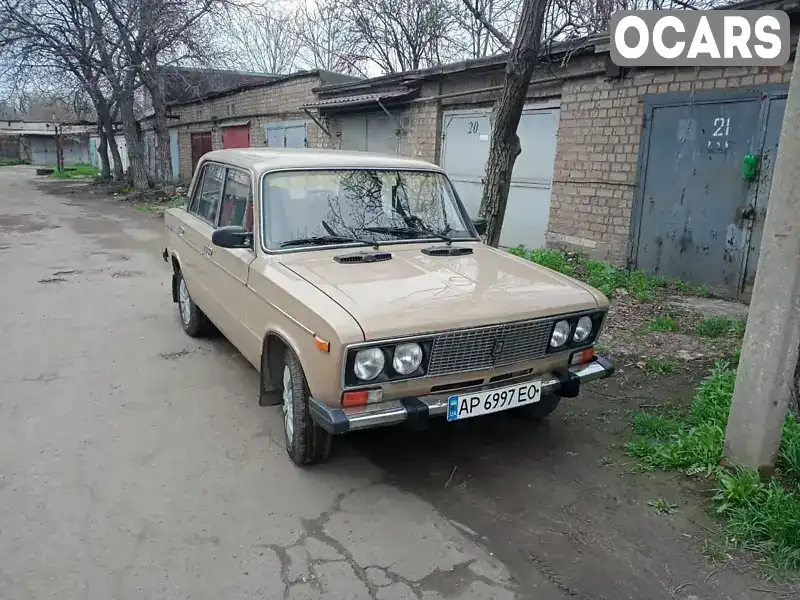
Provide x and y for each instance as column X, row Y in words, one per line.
column 236, row 137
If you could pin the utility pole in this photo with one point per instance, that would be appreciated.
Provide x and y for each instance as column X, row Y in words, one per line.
column 765, row 376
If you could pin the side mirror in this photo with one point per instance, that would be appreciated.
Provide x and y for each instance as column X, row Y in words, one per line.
column 480, row 225
column 232, row 236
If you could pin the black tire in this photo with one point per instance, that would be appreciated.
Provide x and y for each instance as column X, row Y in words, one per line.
column 307, row 443
column 537, row 411
column 194, row 322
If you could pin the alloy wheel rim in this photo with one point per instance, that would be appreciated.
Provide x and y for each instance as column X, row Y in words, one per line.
column 288, row 403
column 183, row 298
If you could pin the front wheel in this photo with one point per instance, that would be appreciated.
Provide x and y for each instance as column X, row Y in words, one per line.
column 306, row 442
column 193, row 320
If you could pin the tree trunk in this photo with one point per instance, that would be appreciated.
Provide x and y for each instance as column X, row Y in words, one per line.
column 103, row 151
column 138, row 170
column 119, row 171
column 163, row 161
column 505, row 146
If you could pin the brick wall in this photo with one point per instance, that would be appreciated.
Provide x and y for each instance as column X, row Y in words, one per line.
column 596, row 163
column 271, row 103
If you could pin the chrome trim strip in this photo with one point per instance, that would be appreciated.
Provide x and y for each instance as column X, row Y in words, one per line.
column 290, row 317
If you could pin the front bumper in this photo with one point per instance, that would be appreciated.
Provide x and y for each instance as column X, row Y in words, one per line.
column 565, row 383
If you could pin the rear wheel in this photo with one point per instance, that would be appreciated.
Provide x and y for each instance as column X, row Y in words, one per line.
column 306, row 442
column 538, row 410
column 193, row 320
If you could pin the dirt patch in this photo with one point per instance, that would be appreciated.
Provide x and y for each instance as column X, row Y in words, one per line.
column 52, row 280
column 627, row 332
column 175, row 355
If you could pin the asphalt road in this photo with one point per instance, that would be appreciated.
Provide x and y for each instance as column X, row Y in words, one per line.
column 135, row 462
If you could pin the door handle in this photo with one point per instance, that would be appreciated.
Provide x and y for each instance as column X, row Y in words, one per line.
column 208, row 250
column 180, row 229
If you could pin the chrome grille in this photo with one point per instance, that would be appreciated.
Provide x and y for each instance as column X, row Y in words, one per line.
column 487, row 347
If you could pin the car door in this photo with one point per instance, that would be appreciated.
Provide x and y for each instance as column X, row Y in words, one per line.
column 196, row 232
column 231, row 266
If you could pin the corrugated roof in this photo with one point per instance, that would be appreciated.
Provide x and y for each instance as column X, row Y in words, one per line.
column 359, row 99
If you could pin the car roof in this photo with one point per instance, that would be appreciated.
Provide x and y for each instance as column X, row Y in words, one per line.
column 261, row 160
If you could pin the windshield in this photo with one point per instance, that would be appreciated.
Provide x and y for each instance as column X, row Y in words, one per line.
column 402, row 205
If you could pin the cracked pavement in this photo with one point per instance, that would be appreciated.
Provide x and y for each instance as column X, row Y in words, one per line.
column 135, row 462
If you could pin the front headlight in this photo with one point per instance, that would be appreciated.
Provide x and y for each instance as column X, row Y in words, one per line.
column 583, row 329
column 560, row 334
column 368, row 363
column 407, row 358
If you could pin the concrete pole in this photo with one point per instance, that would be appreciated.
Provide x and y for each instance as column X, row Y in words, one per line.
column 765, row 375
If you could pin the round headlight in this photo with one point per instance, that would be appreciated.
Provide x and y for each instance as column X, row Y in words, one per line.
column 583, row 329
column 368, row 363
column 407, row 358
column 560, row 334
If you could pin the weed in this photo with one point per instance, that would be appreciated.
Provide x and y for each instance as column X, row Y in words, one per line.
column 736, row 356
column 663, row 323
column 760, row 515
column 655, row 427
column 10, row 162
column 714, row 327
column 551, row 259
column 663, row 507
column 145, row 208
column 76, row 171
column 657, row 365
column 738, row 328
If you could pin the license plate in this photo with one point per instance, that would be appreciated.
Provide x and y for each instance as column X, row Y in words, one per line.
column 483, row 403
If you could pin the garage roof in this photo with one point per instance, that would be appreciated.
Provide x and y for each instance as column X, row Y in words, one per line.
column 360, row 99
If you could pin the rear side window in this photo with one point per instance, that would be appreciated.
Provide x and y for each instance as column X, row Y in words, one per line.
column 207, row 195
column 236, row 198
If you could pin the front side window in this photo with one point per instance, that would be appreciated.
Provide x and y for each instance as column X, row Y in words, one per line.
column 307, row 208
column 236, row 199
column 210, row 190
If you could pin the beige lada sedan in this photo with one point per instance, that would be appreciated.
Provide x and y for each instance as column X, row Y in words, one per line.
column 359, row 288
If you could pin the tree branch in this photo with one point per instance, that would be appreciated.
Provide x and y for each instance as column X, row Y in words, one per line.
column 489, row 27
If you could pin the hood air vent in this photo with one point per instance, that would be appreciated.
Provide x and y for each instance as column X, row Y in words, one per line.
column 363, row 257
column 447, row 251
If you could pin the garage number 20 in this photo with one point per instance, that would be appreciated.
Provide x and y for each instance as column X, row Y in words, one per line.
column 473, row 127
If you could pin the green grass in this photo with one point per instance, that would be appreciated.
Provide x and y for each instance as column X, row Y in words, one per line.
column 10, row 162
column 663, row 323
column 758, row 514
column 717, row 327
column 77, row 171
column 603, row 276
column 662, row 506
column 656, row 365
column 693, row 290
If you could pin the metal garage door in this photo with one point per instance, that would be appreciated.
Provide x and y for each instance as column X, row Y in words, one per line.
column 174, row 154
column 42, row 150
column 236, row 137
column 696, row 217
column 465, row 150
column 377, row 132
column 286, row 134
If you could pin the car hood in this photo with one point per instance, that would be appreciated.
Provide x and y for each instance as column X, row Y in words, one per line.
column 415, row 293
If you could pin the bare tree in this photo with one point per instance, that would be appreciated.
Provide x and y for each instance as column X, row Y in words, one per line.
column 51, row 41
column 402, row 35
column 485, row 27
column 263, row 39
column 327, row 40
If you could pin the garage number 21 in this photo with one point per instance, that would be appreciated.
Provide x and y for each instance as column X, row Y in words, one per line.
column 720, row 129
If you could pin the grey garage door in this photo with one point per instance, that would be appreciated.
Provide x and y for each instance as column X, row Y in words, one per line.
column 465, row 150
column 371, row 133
column 286, row 134
column 697, row 217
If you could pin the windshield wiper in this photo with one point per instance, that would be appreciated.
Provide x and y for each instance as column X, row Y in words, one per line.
column 320, row 240
column 412, row 231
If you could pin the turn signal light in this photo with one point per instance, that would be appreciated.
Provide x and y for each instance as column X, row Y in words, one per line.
column 362, row 397
column 581, row 357
column 322, row 344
